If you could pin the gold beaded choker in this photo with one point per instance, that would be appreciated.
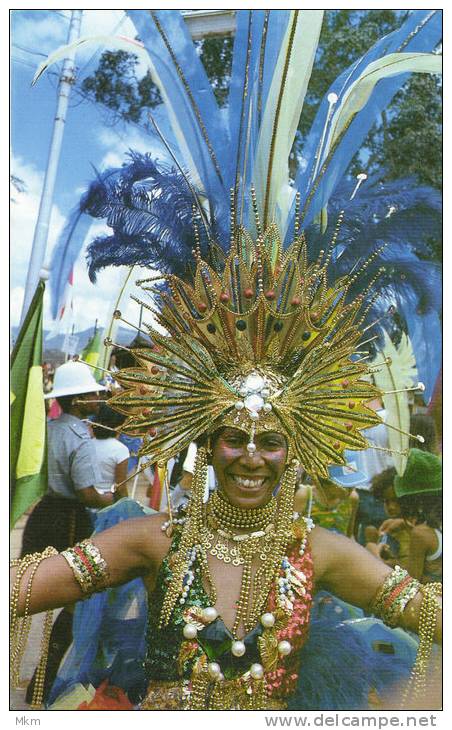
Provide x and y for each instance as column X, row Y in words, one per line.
column 223, row 514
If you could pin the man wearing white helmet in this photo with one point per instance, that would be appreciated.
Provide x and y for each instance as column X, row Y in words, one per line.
column 61, row 518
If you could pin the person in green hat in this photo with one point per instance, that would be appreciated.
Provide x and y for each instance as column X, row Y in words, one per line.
column 419, row 495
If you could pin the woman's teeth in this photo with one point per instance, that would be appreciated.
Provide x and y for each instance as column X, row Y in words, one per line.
column 248, row 482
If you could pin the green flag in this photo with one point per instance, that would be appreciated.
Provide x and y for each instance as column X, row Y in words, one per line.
column 28, row 462
column 91, row 352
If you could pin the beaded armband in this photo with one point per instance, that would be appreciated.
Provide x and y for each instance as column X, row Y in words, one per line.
column 398, row 589
column 88, row 566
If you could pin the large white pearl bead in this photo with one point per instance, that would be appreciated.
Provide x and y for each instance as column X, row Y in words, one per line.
column 214, row 670
column 238, row 648
column 284, row 648
column 267, row 620
column 209, row 614
column 190, row 631
column 257, row 671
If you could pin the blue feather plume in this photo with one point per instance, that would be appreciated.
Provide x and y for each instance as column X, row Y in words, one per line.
column 150, row 210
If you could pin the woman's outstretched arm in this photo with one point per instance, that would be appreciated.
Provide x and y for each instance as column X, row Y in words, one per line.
column 132, row 548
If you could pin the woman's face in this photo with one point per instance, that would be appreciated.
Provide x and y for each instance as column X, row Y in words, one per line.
column 248, row 481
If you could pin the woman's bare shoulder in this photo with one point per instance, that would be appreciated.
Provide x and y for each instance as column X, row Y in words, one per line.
column 152, row 539
column 140, row 536
column 329, row 548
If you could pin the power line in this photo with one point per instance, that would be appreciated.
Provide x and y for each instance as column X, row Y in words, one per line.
column 24, row 63
column 29, row 50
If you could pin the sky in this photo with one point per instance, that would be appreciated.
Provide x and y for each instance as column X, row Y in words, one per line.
column 88, row 141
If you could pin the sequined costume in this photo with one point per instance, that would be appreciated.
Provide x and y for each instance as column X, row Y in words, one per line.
column 171, row 659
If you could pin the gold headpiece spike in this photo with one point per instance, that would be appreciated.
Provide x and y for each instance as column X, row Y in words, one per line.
column 96, row 367
column 232, row 215
column 145, row 305
column 369, row 326
column 366, row 311
column 371, row 339
column 361, row 359
column 297, row 214
column 417, row 436
column 318, row 263
column 185, row 175
column 197, row 249
column 153, row 289
column 419, row 386
column 133, row 474
column 101, row 425
column 260, row 280
column 95, row 400
column 366, row 264
column 256, row 211
column 140, row 282
column 373, row 281
column 332, row 243
column 118, row 315
column 388, row 451
column 109, row 343
column 386, row 361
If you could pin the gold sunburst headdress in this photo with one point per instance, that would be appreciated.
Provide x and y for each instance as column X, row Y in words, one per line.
column 262, row 341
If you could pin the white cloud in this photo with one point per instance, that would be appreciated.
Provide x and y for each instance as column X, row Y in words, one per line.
column 42, row 32
column 89, row 301
column 24, row 213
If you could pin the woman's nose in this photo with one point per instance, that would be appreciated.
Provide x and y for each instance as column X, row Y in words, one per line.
column 252, row 459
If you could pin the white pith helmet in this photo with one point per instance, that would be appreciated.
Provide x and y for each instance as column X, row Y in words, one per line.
column 73, row 378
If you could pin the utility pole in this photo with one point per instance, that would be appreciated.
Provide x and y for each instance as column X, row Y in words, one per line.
column 41, row 233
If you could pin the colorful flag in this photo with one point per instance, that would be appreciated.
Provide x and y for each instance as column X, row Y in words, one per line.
column 28, row 462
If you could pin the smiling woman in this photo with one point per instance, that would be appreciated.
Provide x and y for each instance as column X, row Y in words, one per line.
column 248, row 480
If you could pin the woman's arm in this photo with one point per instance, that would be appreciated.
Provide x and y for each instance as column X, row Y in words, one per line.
column 130, row 549
column 346, row 568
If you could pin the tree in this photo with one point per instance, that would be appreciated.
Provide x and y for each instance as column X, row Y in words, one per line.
column 115, row 85
column 407, row 138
